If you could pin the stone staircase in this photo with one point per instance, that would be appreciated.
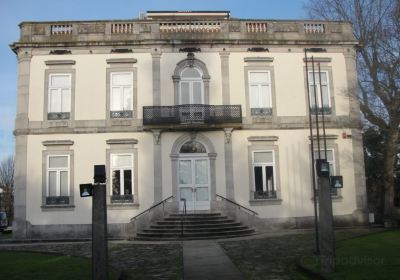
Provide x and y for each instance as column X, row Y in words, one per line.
column 195, row 226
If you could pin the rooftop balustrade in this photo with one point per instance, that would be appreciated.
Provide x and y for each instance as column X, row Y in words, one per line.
column 140, row 30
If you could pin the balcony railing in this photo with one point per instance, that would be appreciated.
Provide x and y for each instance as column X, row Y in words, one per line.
column 192, row 114
column 57, row 200
column 319, row 110
column 122, row 198
column 265, row 194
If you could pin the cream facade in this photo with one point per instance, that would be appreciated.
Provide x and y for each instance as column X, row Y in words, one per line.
column 194, row 109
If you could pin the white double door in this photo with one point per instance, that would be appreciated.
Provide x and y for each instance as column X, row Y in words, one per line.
column 193, row 183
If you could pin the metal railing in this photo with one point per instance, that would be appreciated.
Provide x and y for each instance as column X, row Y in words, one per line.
column 192, row 114
column 184, row 213
column 237, row 204
column 150, row 208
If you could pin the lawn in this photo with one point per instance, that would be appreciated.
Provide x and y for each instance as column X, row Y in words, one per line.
column 375, row 256
column 26, row 265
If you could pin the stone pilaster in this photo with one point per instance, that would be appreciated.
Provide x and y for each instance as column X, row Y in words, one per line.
column 20, row 223
column 225, row 77
column 156, row 68
column 157, row 159
column 230, row 191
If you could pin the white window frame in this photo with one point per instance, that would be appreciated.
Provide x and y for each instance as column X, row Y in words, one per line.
column 121, row 169
column 262, row 165
column 268, row 83
column 58, row 172
column 191, row 81
column 51, row 88
column 130, row 73
column 319, row 87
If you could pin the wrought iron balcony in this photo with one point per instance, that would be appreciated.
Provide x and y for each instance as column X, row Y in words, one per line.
column 57, row 200
column 192, row 114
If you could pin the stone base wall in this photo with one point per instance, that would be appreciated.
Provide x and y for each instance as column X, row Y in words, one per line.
column 128, row 230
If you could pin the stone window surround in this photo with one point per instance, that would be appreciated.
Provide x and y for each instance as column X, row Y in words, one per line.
column 264, row 143
column 191, row 62
column 326, row 67
column 59, row 67
column 259, row 64
column 122, row 146
column 211, row 154
column 331, row 144
column 121, row 65
column 58, row 148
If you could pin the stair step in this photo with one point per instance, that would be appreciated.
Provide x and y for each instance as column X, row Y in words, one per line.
column 195, row 218
column 196, row 234
column 194, row 230
column 195, row 215
column 147, row 238
column 189, row 222
column 189, row 226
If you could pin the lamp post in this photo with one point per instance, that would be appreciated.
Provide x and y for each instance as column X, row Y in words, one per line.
column 325, row 240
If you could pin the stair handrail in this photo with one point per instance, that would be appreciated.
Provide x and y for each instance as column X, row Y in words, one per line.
column 184, row 214
column 237, row 204
column 153, row 206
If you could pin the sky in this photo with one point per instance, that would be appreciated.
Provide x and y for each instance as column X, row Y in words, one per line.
column 12, row 12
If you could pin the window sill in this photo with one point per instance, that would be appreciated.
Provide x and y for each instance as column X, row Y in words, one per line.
column 121, row 121
column 267, row 201
column 58, row 207
column 261, row 119
column 335, row 198
column 126, row 205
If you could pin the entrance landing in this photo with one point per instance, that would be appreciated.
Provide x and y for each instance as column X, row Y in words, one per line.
column 205, row 260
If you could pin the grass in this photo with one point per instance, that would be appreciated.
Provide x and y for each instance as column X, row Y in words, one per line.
column 26, row 265
column 375, row 256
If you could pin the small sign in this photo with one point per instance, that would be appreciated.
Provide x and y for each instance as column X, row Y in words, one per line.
column 322, row 168
column 86, row 190
column 99, row 174
column 336, row 182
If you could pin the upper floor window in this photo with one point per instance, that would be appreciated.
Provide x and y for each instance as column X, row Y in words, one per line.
column 121, row 95
column 320, row 84
column 264, row 174
column 59, row 96
column 57, row 179
column 122, row 177
column 191, row 88
column 260, row 93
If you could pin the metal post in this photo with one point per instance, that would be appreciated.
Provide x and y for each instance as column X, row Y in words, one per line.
column 325, row 209
column 99, row 233
column 322, row 113
column 312, row 159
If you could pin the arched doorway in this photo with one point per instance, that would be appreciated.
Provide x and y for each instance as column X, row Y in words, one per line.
column 193, row 176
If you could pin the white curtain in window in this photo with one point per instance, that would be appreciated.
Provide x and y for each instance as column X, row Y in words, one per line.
column 260, row 92
column 59, row 99
column 121, row 91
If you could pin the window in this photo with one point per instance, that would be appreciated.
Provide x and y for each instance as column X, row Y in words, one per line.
column 191, row 86
column 121, row 95
column 59, row 96
column 264, row 174
column 260, row 93
column 122, row 178
column 321, row 83
column 331, row 160
column 58, row 179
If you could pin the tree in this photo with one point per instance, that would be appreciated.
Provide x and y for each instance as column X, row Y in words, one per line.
column 377, row 28
column 7, row 185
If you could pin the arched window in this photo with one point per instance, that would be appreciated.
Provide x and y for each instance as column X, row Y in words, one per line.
column 191, row 81
column 192, row 147
column 191, row 88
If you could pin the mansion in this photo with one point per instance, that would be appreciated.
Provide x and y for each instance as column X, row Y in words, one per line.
column 183, row 105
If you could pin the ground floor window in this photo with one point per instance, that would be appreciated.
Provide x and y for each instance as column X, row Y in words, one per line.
column 122, row 177
column 58, row 179
column 264, row 174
